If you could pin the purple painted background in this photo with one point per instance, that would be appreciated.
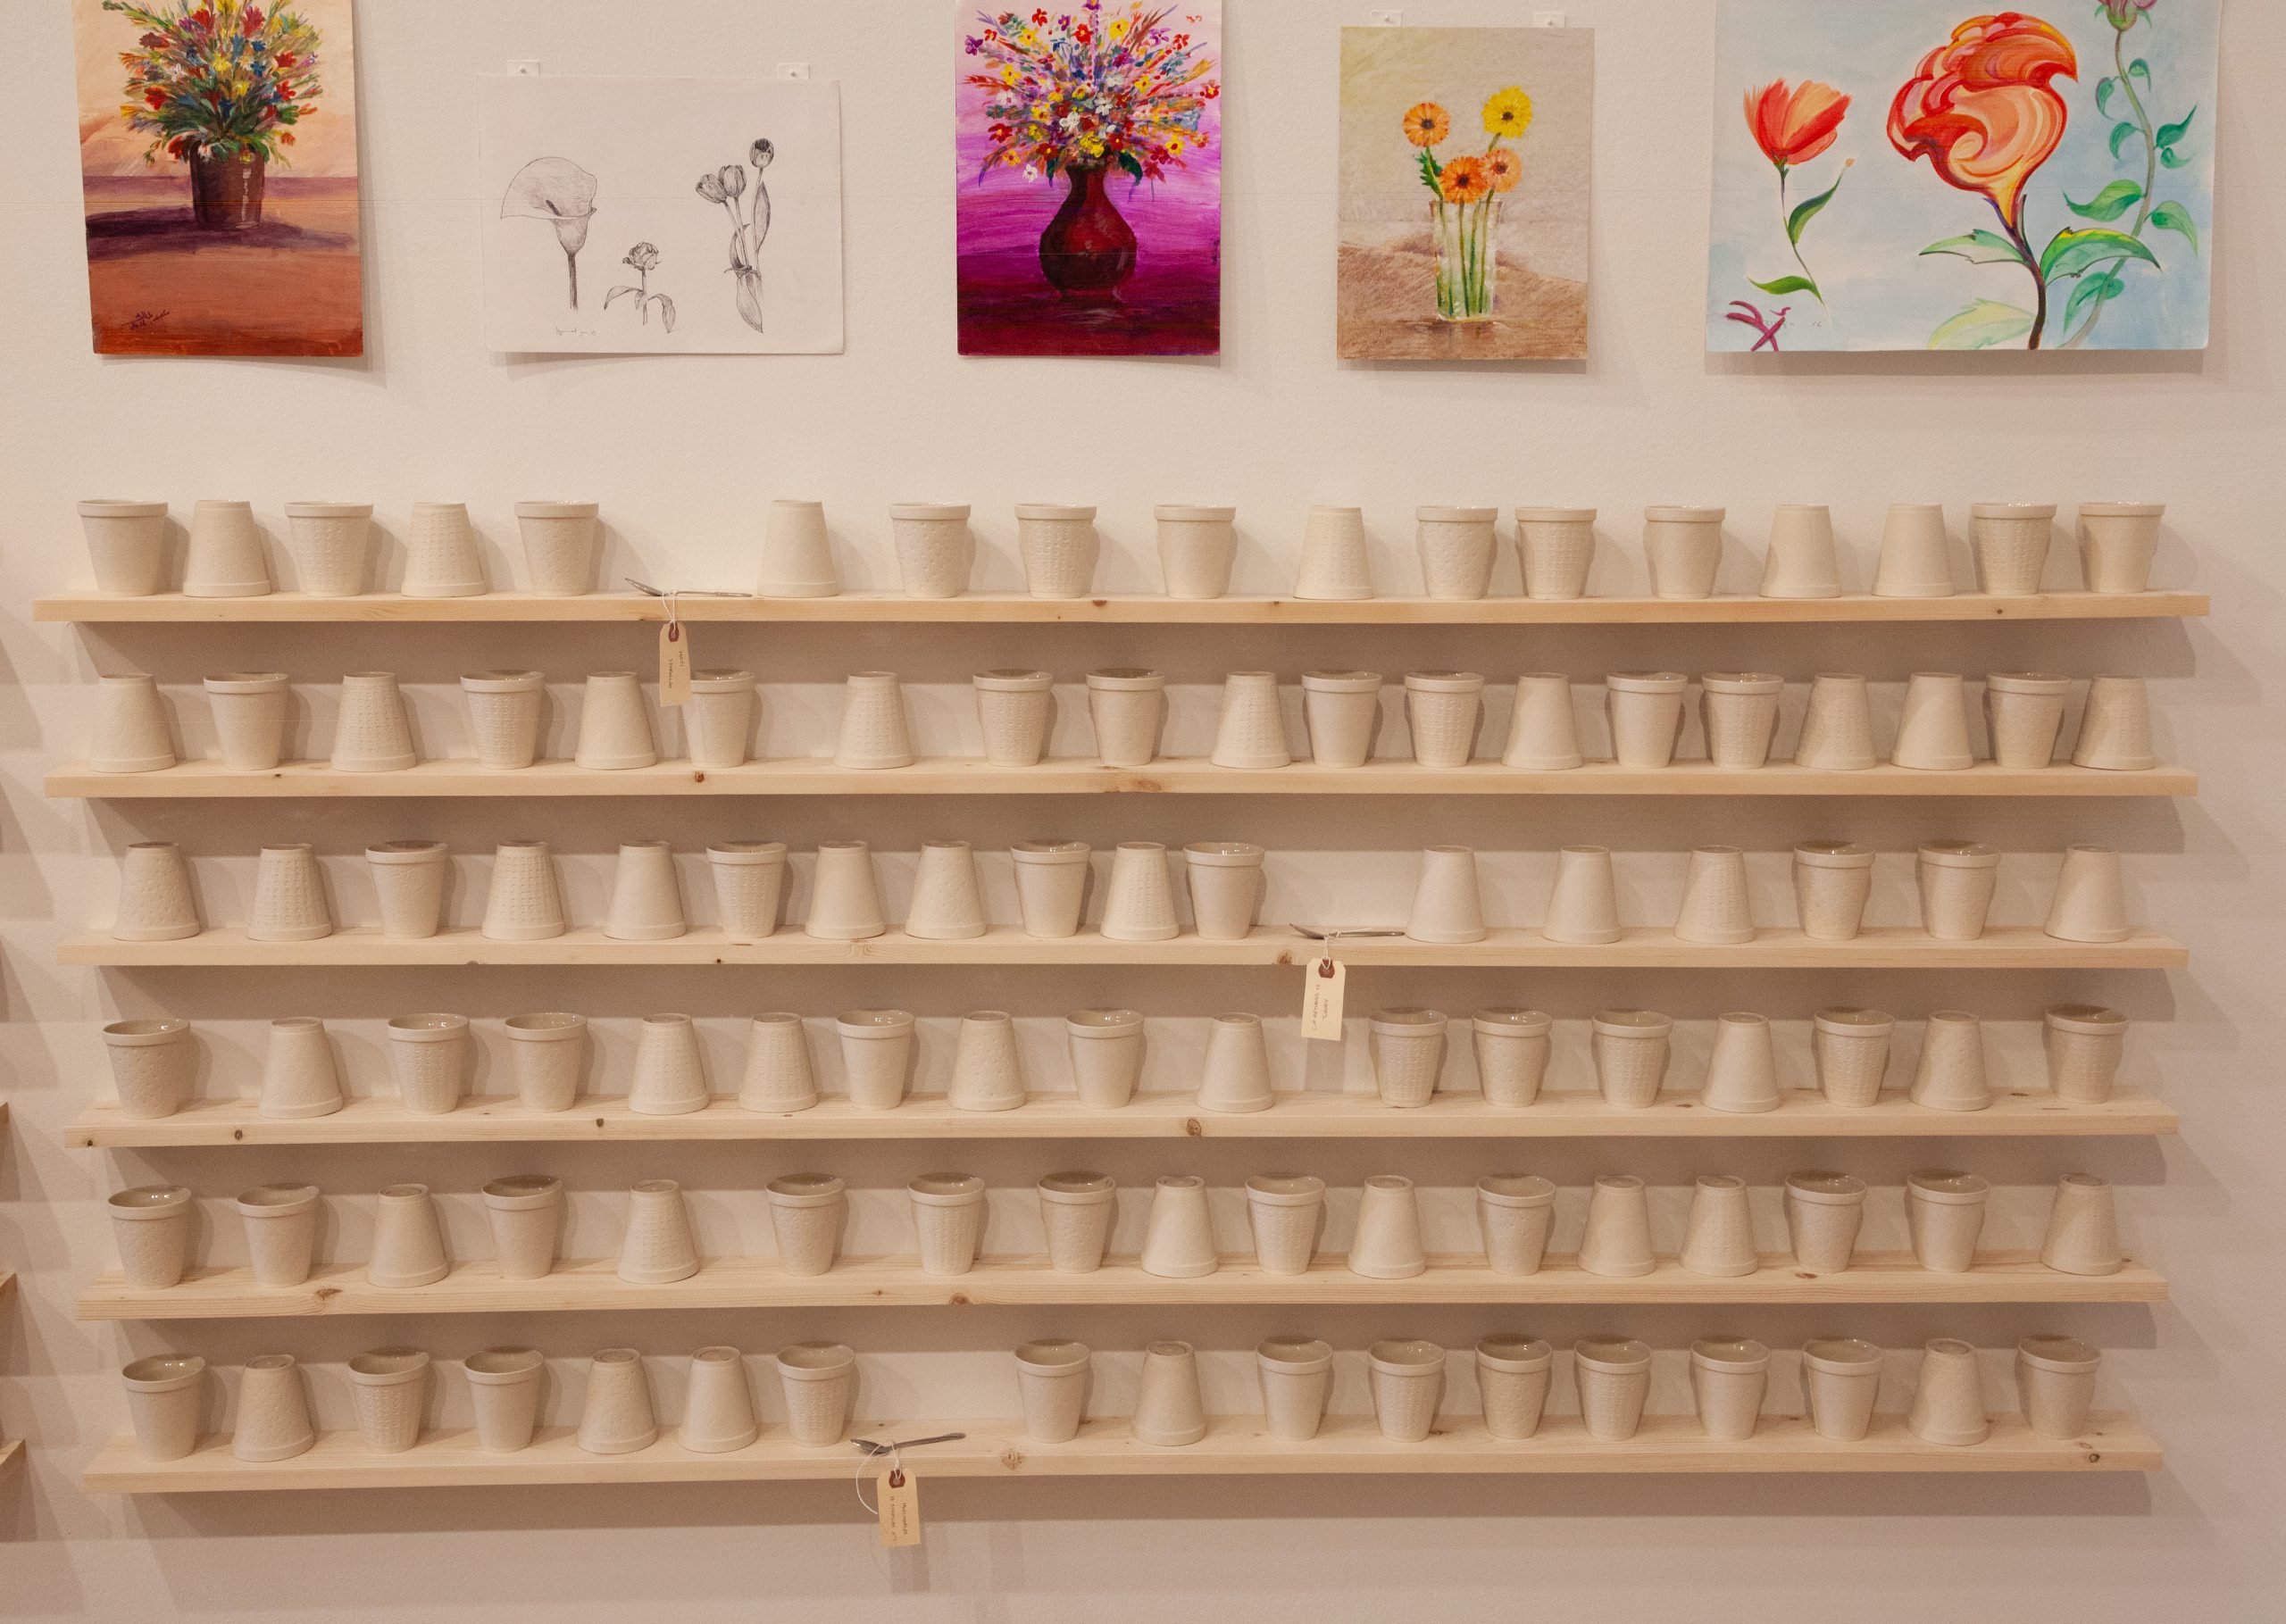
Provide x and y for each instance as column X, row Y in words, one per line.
column 1173, row 305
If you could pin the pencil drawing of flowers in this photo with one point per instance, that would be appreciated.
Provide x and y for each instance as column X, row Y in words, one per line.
column 726, row 185
column 644, row 257
column 560, row 192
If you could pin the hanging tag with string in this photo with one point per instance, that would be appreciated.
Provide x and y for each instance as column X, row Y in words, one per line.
column 1321, row 987
column 674, row 658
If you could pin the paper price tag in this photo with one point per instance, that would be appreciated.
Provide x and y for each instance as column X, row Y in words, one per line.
column 1322, row 985
column 898, row 1495
column 674, row 663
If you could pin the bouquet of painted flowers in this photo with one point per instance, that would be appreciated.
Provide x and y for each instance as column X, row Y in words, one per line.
column 1086, row 91
column 1466, row 190
column 224, row 78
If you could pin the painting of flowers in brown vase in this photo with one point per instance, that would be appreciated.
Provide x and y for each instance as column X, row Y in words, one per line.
column 218, row 163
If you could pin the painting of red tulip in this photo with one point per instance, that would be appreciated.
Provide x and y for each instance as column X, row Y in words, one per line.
column 218, row 165
column 1923, row 174
column 1463, row 193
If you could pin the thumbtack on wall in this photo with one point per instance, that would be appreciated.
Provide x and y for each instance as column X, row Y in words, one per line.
column 524, row 69
column 1548, row 19
column 1386, row 17
column 793, row 70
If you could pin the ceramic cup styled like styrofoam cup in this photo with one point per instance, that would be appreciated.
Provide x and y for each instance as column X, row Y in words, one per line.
column 1684, row 547
column 151, row 1224
column 1059, row 546
column 1296, row 1374
column 1226, row 886
column 272, row 1422
column 441, row 559
column 504, row 1387
column 1945, row 1215
column 1837, row 725
column 1340, row 710
column 331, row 543
column 504, row 711
column 876, row 733
column 1051, row 886
column 389, row 1387
column 1408, row 1054
column 1386, row 1243
column 1557, row 548
column 1107, row 1051
column 1140, row 896
column 1841, row 1379
column 282, row 1225
column 1632, row 1048
column 2118, row 540
column 1584, row 906
column 409, row 886
column 797, row 552
column 1178, row 1239
column 1833, row 880
column 561, row 540
column 1916, row 552
column 1802, row 561
column 1956, row 880
column 1616, row 1243
column 132, row 734
column 1169, row 1413
column 749, row 886
column 1443, row 711
column 1052, row 1385
column 1448, row 903
column 845, row 894
column 1076, row 1210
column 526, row 1214
column 429, row 1060
column 617, row 1416
column 2084, row 1044
column 1851, row 1049
column 162, row 1403
column 1951, row 1074
column 127, row 543
column 1284, row 1211
column 1015, row 707
column 1335, row 564
column 1739, row 711
column 1235, row 1078
column 616, row 732
column 1645, row 715
column 718, row 718
column 1823, row 1213
column 2011, row 542
column 876, row 1056
column 1948, row 1399
column 1457, row 547
column 155, row 902
column 1543, row 729
column 658, row 1247
column 1512, row 1382
column 935, row 548
column 547, row 1053
column 1614, row 1379
column 1407, row 1375
column 947, row 903
column 1515, row 1213
column 1196, row 548
column 154, row 1065
column 249, row 709
column 1728, row 1379
column 1718, row 1239
column 225, row 556
column 807, row 1212
column 2056, row 1384
column 1128, row 707
column 2116, row 728
column 948, row 1217
column 2023, row 717
column 1511, row 1049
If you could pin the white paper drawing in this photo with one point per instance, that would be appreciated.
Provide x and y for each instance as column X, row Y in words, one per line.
column 643, row 182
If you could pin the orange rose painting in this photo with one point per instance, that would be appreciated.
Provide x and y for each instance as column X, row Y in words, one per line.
column 2077, row 132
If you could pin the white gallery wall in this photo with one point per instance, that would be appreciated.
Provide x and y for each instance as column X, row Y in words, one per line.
column 685, row 453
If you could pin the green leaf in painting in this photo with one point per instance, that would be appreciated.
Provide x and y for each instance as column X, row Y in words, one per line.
column 1983, row 247
column 2119, row 134
column 2174, row 217
column 2103, row 95
column 2074, row 251
column 2139, row 68
column 1983, row 325
column 2103, row 285
column 2113, row 201
column 1787, row 283
column 2172, row 159
column 1806, row 210
column 1131, row 164
column 2171, row 135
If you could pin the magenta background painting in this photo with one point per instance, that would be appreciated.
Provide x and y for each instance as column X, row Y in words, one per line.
column 1170, row 305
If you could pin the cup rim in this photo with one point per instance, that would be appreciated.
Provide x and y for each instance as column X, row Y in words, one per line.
column 1517, row 1356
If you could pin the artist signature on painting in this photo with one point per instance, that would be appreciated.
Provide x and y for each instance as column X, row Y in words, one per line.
column 149, row 317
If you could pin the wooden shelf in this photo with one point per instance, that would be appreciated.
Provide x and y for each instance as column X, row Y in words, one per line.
column 1321, row 1115
column 964, row 776
column 1015, row 608
column 593, row 1284
column 1233, row 1446
column 1885, row 947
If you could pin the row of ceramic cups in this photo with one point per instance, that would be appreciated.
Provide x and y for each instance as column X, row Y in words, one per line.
column 154, row 1062
column 389, row 1389
column 1060, row 549
column 2024, row 714
column 523, row 901
column 1840, row 1377
column 1287, row 1211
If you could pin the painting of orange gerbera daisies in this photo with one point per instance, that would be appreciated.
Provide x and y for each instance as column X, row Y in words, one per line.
column 1504, row 169
column 1464, row 179
column 1427, row 124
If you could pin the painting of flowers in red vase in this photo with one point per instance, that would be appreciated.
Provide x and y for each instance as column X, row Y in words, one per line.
column 1925, row 174
column 1088, row 161
column 218, row 165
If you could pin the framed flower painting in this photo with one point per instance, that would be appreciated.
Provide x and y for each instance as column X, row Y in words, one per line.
column 1926, row 174
column 1463, row 193
column 218, row 170
column 1088, row 153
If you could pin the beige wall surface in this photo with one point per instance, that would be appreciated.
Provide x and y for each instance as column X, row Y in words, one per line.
column 683, row 453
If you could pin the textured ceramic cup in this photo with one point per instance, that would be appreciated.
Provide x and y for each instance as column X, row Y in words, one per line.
column 1739, row 711
column 1617, row 1241
column 1715, row 909
column 155, row 904
column 1443, row 711
column 2118, row 543
column 1951, row 1074
column 154, row 1065
column 331, row 542
column 151, row 1224
column 249, row 709
column 1059, row 546
column 1340, row 710
column 797, row 552
column 522, row 902
column 299, row 1077
column 1584, row 907
column 1447, row 906
column 948, row 1217
column 561, row 540
column 935, row 549
column 2082, row 1228
column 1334, row 560
column 2011, row 541
column 1169, row 1413
column 1851, row 1048
column 845, row 897
column 1178, row 1239
column 1948, row 1399
column 1728, row 1379
column 947, row 903
column 1632, row 1048
column 1512, row 1380
column 408, row 1242
column 2116, row 729
column 1515, row 1213
column 2090, row 900
column 1051, row 886
column 126, row 544
column 1957, row 879
column 2023, row 717
column 526, row 1213
column 1823, row 1213
column 1235, row 1078
column 429, row 1060
column 1052, row 1385
column 1718, row 1239
column 749, row 886
column 289, row 900
column 282, row 1225
column 1833, row 880
column 409, row 885
column 1408, row 1376
column 1646, row 713
column 1226, row 881
column 1107, row 1052
column 669, row 1077
column 390, row 1388
column 1802, row 561
column 875, row 733
column 988, row 1073
column 1013, row 707
column 504, row 1387
column 1196, row 548
column 718, row 718
column 1841, row 1378
column 274, row 1414
column 1945, row 1215
column 876, row 1056
column 2085, row 1043
column 1128, row 707
column 807, row 1214
column 1386, row 1243
column 658, row 1246
column 1916, row 552
column 1543, row 729
column 1512, row 1050
column 162, row 1394
column 1408, row 1054
column 1557, row 547
column 547, row 1055
column 1076, row 1210
column 1457, row 547
column 2056, row 1384
column 1684, row 547
column 777, row 1080
column 1838, row 726
column 1933, row 729
column 615, row 725
column 440, row 553
column 1285, row 1211
column 1139, row 899
column 819, row 1379
column 1296, row 1374
column 225, row 556
column 616, row 1416
column 132, row 734
column 1613, row 1377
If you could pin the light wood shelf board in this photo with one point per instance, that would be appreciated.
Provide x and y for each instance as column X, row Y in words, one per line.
column 1133, row 610
column 1234, row 1445
column 1883, row 947
column 965, row 776
column 1318, row 1115
column 593, row 1284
